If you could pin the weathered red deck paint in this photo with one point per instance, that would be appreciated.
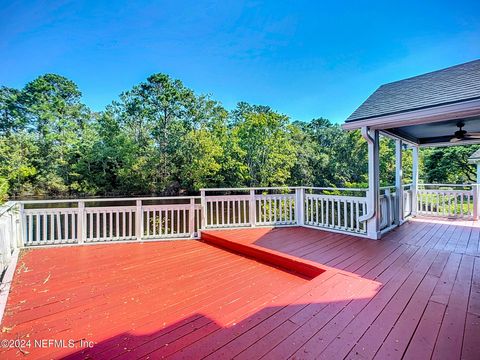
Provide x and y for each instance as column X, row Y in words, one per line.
column 413, row 294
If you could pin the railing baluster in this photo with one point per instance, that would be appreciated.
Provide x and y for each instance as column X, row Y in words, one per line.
column 117, row 225
column 274, row 210
column 351, row 214
column 239, row 212
column 265, row 210
column 228, row 212
column 66, row 226
column 58, row 228
column 52, row 229
column 290, row 207
column 357, row 213
column 44, row 227
column 280, row 220
column 234, row 212
column 191, row 218
column 148, row 222
column 244, row 211
column 123, row 224
column 338, row 213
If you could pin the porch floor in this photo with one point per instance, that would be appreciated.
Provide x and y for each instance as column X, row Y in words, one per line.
column 414, row 294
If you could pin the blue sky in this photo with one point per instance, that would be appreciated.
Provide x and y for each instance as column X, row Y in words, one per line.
column 305, row 59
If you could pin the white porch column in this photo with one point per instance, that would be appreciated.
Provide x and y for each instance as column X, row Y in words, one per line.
column 373, row 215
column 398, row 181
column 475, row 201
column 478, row 172
column 476, row 194
column 415, row 180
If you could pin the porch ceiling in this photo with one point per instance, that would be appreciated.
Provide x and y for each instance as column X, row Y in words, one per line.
column 435, row 133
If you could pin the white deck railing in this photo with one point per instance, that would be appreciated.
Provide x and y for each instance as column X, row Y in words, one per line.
column 388, row 207
column 109, row 223
column 447, row 200
column 227, row 211
column 83, row 221
column 259, row 207
column 337, row 212
column 407, row 200
column 54, row 222
column 324, row 208
column 9, row 233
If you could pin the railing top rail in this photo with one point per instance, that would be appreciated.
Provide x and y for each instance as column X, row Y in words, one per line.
column 335, row 188
column 284, row 188
column 337, row 197
column 226, row 197
column 387, row 187
column 253, row 188
column 270, row 195
column 58, row 201
column 453, row 185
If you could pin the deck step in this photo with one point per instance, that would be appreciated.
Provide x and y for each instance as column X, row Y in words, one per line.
column 306, row 268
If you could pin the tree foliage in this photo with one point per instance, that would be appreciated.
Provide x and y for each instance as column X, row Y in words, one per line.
column 449, row 164
column 160, row 137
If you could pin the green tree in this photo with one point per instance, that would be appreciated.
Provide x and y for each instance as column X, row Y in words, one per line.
column 448, row 164
column 161, row 138
column 341, row 156
column 308, row 156
column 56, row 116
column 11, row 114
column 157, row 124
column 266, row 148
column 17, row 154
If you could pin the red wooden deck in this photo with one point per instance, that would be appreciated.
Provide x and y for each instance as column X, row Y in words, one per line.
column 415, row 294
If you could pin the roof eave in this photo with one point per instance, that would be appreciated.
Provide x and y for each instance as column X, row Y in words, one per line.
column 460, row 110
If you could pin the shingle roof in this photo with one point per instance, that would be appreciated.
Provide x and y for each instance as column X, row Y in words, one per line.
column 454, row 84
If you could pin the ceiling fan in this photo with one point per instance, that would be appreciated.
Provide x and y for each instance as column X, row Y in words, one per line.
column 461, row 134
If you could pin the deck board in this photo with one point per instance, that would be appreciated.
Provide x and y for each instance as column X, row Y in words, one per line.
column 414, row 294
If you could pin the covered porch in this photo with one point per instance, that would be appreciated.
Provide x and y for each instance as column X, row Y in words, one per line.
column 441, row 108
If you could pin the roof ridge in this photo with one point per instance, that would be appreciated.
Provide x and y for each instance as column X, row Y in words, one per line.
column 431, row 72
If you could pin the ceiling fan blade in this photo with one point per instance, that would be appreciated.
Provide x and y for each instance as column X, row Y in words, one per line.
column 472, row 136
column 455, row 139
column 461, row 135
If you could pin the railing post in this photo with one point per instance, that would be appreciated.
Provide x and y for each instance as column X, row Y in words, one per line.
column 399, row 208
column 300, row 205
column 191, row 218
column 252, row 208
column 81, row 223
column 203, row 211
column 475, row 201
column 139, row 220
column 415, row 181
column 22, row 238
column 373, row 193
